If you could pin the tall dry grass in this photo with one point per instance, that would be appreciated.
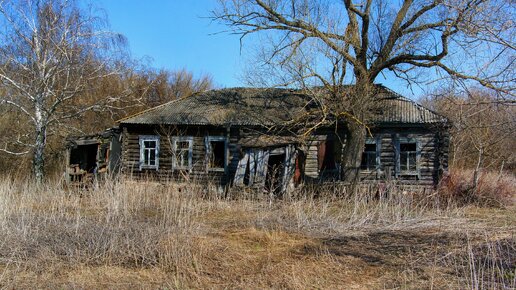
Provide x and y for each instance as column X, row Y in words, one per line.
column 177, row 229
column 120, row 224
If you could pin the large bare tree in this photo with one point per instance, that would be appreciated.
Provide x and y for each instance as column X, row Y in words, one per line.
column 333, row 43
column 51, row 54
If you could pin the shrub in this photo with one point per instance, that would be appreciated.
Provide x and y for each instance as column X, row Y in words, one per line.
column 492, row 189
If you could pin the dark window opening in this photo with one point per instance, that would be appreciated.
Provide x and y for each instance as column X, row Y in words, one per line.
column 217, row 154
column 369, row 157
column 85, row 157
column 327, row 152
column 408, row 157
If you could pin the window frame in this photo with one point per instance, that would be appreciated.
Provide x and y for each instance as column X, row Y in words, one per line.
column 175, row 140
column 406, row 140
column 141, row 141
column 207, row 141
column 377, row 142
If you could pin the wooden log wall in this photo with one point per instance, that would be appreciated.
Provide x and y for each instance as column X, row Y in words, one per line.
column 433, row 157
column 165, row 172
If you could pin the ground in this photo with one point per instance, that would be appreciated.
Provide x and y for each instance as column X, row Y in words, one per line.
column 153, row 237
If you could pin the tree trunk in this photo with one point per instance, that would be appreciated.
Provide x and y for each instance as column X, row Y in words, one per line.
column 352, row 157
column 476, row 173
column 38, row 162
column 360, row 105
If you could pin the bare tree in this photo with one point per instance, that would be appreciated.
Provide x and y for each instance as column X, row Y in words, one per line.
column 51, row 51
column 165, row 85
column 333, row 43
column 482, row 132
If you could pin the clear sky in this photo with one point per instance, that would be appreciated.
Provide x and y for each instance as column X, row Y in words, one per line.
column 176, row 34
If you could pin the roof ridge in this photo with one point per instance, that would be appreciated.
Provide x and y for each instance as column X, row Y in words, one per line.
column 154, row 108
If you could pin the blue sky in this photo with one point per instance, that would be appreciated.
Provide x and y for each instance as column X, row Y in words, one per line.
column 176, row 34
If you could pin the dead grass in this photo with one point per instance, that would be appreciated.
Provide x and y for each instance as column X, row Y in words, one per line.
column 126, row 234
column 493, row 189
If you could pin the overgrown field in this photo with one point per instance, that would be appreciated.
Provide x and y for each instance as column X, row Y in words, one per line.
column 127, row 234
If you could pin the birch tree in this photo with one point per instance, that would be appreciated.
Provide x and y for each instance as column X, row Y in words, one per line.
column 332, row 43
column 51, row 51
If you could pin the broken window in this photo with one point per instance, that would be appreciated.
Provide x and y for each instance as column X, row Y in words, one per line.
column 369, row 156
column 182, row 149
column 216, row 152
column 149, row 152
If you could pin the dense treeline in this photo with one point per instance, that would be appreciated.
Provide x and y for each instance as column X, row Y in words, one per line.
column 136, row 89
column 482, row 129
column 62, row 72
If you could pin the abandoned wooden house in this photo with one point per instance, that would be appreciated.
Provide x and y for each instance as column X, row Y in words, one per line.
column 230, row 137
column 93, row 156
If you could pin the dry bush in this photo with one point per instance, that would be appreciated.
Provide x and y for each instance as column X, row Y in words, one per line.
column 493, row 189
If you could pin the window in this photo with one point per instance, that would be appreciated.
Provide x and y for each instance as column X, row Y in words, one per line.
column 369, row 157
column 216, row 153
column 149, row 152
column 182, row 149
column 407, row 156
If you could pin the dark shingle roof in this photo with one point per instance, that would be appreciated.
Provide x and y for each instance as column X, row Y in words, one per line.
column 252, row 106
column 399, row 109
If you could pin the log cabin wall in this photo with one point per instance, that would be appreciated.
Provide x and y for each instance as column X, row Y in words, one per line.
column 314, row 173
column 427, row 151
column 431, row 145
column 165, row 171
column 432, row 155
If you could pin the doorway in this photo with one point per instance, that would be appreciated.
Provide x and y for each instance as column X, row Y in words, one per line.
column 275, row 173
